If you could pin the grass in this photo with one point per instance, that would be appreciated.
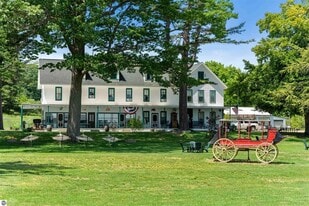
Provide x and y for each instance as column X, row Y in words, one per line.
column 152, row 171
column 12, row 122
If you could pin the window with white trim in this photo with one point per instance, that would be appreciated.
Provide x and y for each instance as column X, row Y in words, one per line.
column 146, row 95
column 58, row 93
column 148, row 77
column 200, row 75
column 163, row 95
column 91, row 93
column 201, row 97
column 111, row 94
column 212, row 96
column 189, row 95
column 129, row 95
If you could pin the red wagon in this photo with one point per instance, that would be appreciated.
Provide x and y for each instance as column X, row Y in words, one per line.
column 266, row 150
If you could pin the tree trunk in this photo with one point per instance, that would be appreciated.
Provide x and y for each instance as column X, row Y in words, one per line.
column 1, row 112
column 306, row 121
column 183, row 115
column 73, row 129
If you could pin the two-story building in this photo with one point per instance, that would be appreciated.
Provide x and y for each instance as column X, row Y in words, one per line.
column 129, row 94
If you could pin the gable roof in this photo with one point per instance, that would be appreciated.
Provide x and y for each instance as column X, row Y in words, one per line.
column 210, row 74
column 128, row 77
column 63, row 77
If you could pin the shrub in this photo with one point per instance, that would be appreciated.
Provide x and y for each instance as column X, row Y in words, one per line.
column 135, row 124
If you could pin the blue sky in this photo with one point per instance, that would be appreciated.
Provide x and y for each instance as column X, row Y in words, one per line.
column 249, row 11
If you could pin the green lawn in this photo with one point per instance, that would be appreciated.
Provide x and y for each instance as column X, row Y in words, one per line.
column 12, row 122
column 151, row 171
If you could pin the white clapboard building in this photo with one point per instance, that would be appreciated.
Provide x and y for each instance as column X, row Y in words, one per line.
column 129, row 94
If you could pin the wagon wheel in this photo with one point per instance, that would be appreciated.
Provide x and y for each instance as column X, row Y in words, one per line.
column 266, row 152
column 224, row 150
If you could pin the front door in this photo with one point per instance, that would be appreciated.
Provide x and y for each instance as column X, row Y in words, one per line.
column 174, row 121
column 122, row 121
column 201, row 122
column 60, row 120
column 91, row 120
column 154, row 120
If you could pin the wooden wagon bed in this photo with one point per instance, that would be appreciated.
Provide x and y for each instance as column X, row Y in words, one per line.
column 225, row 150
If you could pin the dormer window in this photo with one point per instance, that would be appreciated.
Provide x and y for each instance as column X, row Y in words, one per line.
column 115, row 76
column 148, row 77
column 200, row 75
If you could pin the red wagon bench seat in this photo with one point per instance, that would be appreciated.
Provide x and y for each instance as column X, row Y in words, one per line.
column 273, row 137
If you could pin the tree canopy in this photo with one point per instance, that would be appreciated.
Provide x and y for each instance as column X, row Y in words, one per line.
column 281, row 76
column 101, row 37
column 104, row 36
column 162, row 36
column 184, row 27
column 17, row 38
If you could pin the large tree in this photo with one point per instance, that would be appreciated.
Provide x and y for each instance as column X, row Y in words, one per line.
column 101, row 36
column 186, row 25
column 116, row 31
column 296, row 90
column 281, row 75
column 17, row 22
column 29, row 90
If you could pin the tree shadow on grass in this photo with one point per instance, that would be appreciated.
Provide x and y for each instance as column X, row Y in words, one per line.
column 22, row 167
column 245, row 161
column 120, row 147
column 295, row 139
column 139, row 142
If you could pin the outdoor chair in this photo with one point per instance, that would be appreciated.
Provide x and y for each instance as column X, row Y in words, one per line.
column 184, row 149
column 198, row 147
column 192, row 146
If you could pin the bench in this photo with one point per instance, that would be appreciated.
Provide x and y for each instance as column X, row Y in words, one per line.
column 306, row 144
